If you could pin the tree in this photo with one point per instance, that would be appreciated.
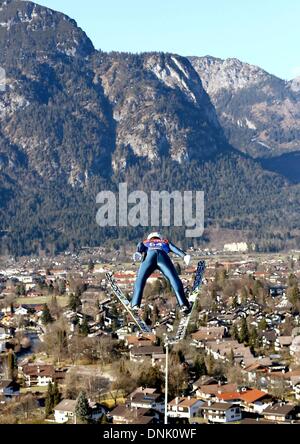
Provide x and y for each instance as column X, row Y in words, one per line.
column 91, row 266
column 235, row 302
column 11, row 365
column 54, row 308
column 232, row 358
column 49, row 400
column 235, row 332
column 56, row 394
column 147, row 313
column 210, row 364
column 294, row 295
column 155, row 314
column 244, row 295
column 244, row 332
column 20, row 290
column 263, row 325
column 253, row 339
column 61, row 287
column 52, row 398
column 82, row 409
column 46, row 317
column 151, row 377
column 84, row 327
column 74, row 301
column 200, row 367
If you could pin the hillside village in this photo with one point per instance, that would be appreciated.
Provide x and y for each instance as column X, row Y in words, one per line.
column 70, row 354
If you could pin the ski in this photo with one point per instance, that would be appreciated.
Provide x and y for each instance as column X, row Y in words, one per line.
column 185, row 320
column 126, row 304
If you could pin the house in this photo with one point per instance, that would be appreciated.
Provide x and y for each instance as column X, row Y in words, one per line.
column 252, row 400
column 21, row 311
column 124, row 414
column 140, row 340
column 295, row 349
column 283, row 342
column 256, row 401
column 204, row 380
column 145, row 400
column 296, row 389
column 255, row 371
column 139, row 354
column 41, row 374
column 280, row 412
column 268, row 337
column 65, row 411
column 221, row 412
column 208, row 334
column 9, row 388
column 97, row 410
column 212, row 390
column 222, row 349
column 184, row 407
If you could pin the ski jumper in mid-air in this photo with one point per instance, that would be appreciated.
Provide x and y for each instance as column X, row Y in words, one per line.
column 154, row 253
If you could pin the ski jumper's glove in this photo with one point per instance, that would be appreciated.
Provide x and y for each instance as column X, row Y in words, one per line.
column 187, row 259
column 180, row 253
column 137, row 257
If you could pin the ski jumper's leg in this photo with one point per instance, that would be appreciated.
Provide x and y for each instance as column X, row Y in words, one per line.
column 146, row 269
column 166, row 266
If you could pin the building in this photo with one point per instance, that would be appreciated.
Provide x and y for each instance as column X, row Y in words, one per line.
column 295, row 349
column 139, row 354
column 280, row 412
column 296, row 389
column 221, row 412
column 236, row 247
column 65, row 411
column 140, row 340
column 211, row 391
column 184, row 407
column 252, row 400
column 124, row 414
column 208, row 334
column 9, row 389
column 146, row 400
column 41, row 374
column 283, row 342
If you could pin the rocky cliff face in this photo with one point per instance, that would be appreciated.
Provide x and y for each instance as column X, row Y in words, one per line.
column 259, row 112
column 52, row 110
column 27, row 28
column 160, row 108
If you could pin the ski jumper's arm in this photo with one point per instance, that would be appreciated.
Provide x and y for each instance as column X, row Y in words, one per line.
column 141, row 248
column 177, row 250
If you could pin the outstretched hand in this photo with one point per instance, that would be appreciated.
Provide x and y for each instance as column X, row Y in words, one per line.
column 137, row 257
column 187, row 259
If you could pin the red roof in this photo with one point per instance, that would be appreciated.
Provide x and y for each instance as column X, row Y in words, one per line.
column 248, row 396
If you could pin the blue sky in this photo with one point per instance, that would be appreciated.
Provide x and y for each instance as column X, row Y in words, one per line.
column 261, row 32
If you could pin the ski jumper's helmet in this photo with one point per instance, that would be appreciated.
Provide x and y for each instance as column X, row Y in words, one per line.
column 153, row 235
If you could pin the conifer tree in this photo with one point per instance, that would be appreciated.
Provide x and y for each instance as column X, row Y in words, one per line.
column 82, row 409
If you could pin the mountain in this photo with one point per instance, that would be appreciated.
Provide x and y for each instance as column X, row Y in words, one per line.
column 160, row 108
column 259, row 112
column 75, row 121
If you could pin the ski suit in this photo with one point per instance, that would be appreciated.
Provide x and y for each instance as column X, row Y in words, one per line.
column 156, row 257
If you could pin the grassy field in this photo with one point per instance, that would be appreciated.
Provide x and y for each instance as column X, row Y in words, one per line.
column 61, row 300
column 110, row 403
column 40, row 389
